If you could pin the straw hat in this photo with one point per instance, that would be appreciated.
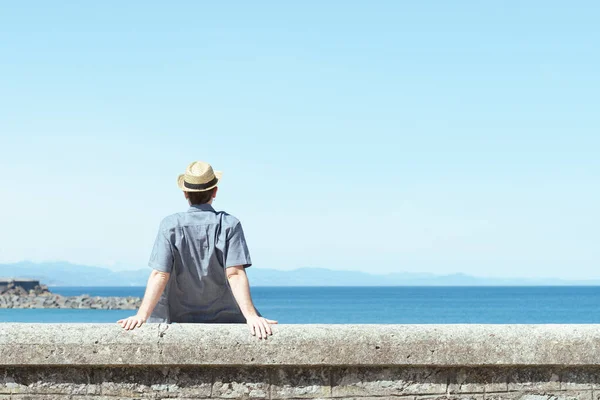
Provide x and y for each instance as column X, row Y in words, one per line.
column 199, row 177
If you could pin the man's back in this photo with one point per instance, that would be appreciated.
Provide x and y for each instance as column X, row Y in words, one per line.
column 195, row 247
column 199, row 263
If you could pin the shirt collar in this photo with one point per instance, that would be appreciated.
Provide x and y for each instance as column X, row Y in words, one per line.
column 201, row 207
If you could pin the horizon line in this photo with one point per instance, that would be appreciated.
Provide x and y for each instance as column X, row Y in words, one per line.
column 429, row 275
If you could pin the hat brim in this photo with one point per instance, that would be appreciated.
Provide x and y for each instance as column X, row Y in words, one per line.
column 218, row 175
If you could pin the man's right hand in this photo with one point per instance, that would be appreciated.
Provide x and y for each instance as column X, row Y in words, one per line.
column 131, row 322
column 260, row 327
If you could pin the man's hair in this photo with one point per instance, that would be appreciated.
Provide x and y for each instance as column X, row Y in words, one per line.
column 200, row 197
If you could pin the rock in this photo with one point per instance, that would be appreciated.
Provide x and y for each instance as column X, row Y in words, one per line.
column 13, row 296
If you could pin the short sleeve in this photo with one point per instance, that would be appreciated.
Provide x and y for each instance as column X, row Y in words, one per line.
column 161, row 258
column 236, row 249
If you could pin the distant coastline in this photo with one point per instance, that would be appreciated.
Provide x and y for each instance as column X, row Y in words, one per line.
column 67, row 274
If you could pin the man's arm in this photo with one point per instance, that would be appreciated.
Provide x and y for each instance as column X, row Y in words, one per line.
column 238, row 280
column 154, row 289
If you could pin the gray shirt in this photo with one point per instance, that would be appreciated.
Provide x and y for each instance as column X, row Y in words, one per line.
column 196, row 247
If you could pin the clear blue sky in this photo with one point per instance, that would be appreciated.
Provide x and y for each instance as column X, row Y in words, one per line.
column 377, row 136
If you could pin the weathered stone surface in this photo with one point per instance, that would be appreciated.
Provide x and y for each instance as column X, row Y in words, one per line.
column 100, row 397
column 189, row 382
column 120, row 382
column 39, row 397
column 37, row 380
column 580, row 378
column 541, row 395
column 234, row 383
column 77, row 361
column 6, row 382
column 162, row 382
column 171, row 382
column 478, row 380
column 300, row 383
column 410, row 397
column 300, row 345
column 452, row 397
column 388, row 381
column 504, row 395
column 539, row 379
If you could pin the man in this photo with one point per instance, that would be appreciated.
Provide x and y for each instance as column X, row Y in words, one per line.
column 199, row 261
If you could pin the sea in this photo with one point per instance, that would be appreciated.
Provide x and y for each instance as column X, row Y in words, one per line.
column 373, row 305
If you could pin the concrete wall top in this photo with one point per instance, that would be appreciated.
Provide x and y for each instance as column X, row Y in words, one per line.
column 314, row 345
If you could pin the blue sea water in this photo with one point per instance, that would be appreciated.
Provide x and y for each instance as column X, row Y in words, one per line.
column 374, row 305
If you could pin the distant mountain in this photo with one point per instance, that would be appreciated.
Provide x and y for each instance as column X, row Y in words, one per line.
column 67, row 274
column 327, row 277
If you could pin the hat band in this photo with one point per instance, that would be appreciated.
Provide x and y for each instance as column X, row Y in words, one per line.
column 200, row 186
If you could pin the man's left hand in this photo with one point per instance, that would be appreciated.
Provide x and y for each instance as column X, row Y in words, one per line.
column 132, row 322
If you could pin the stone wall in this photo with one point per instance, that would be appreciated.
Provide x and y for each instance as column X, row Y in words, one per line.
column 77, row 361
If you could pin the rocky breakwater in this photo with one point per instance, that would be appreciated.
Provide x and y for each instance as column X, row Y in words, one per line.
column 14, row 296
